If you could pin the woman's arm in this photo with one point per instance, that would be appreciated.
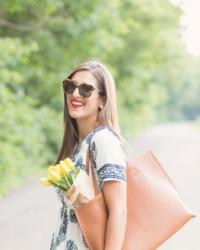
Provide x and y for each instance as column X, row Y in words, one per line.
column 115, row 199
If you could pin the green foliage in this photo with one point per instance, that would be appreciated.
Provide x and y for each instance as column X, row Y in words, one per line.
column 28, row 135
column 40, row 42
column 183, row 101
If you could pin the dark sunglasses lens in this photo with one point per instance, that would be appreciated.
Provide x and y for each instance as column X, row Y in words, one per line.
column 85, row 90
column 69, row 87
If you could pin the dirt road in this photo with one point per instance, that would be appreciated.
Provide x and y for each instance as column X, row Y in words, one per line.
column 28, row 215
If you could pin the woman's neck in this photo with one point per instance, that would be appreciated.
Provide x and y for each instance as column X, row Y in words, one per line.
column 85, row 127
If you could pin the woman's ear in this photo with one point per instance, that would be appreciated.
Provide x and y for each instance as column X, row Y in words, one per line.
column 101, row 104
column 100, row 108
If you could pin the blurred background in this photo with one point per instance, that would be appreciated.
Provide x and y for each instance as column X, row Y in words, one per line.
column 152, row 49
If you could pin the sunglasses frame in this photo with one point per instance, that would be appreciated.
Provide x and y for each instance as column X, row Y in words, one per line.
column 67, row 81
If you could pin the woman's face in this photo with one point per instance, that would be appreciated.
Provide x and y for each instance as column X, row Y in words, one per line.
column 88, row 109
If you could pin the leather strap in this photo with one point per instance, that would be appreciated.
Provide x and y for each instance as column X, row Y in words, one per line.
column 89, row 159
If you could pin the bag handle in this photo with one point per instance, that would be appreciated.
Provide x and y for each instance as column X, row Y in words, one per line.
column 89, row 159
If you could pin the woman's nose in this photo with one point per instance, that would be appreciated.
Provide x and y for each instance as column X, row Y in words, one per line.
column 76, row 92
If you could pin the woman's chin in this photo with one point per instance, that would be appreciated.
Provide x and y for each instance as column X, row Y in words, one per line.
column 76, row 115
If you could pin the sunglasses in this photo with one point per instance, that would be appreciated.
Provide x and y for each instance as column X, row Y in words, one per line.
column 85, row 90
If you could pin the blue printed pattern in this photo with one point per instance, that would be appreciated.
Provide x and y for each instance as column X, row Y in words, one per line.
column 71, row 245
column 73, row 218
column 94, row 153
column 112, row 172
column 106, row 157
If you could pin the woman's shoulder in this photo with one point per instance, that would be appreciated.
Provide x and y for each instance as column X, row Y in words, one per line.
column 105, row 134
column 107, row 140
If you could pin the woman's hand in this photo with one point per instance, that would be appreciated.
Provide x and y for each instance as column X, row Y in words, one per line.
column 115, row 198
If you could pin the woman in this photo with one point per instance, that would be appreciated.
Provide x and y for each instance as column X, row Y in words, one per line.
column 90, row 116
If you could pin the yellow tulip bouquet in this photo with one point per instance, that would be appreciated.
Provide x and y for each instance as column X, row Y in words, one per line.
column 73, row 182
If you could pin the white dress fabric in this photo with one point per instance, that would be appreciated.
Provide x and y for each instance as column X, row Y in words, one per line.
column 109, row 159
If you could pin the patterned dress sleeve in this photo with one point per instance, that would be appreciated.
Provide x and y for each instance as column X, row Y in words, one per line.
column 108, row 157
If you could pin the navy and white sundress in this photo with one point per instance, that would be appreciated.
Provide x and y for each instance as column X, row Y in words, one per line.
column 109, row 160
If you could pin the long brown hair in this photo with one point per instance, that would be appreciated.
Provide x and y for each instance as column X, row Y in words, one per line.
column 107, row 116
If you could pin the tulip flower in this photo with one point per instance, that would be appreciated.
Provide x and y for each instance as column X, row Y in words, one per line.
column 61, row 175
column 69, row 163
column 54, row 176
column 58, row 169
column 64, row 168
column 75, row 183
column 45, row 181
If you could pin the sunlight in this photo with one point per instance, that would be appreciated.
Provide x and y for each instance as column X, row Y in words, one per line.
column 190, row 21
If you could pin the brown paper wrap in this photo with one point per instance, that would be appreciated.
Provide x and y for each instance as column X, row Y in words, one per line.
column 81, row 191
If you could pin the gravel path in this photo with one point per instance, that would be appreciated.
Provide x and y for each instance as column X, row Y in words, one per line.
column 28, row 215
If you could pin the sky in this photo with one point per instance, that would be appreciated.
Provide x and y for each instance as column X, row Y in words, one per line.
column 191, row 22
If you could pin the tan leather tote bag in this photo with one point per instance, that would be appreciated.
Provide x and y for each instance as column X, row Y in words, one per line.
column 155, row 209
